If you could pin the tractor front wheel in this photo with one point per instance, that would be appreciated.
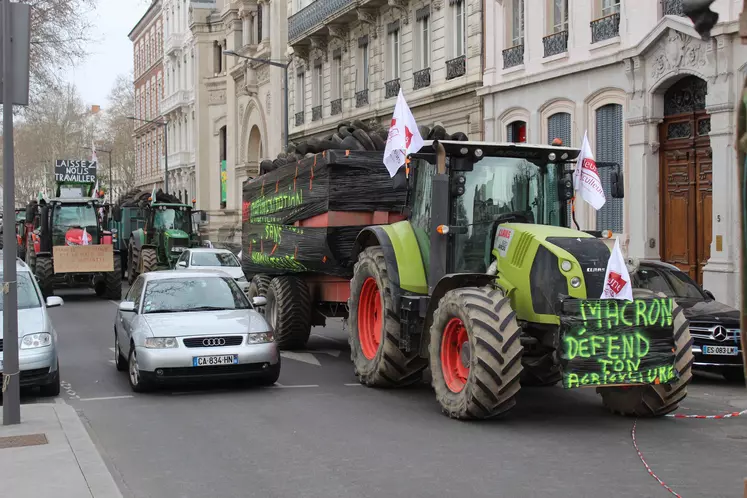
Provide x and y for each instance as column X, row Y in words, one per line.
column 149, row 258
column 375, row 328
column 30, row 254
column 133, row 261
column 45, row 275
column 113, row 280
column 289, row 311
column 656, row 400
column 475, row 353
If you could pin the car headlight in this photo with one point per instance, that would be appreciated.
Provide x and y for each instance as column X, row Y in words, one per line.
column 260, row 337
column 32, row 341
column 161, row 342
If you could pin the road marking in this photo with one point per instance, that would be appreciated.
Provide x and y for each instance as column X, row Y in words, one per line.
column 303, row 357
column 112, row 362
column 115, row 303
column 358, row 384
column 69, row 390
column 331, row 352
column 282, row 386
column 333, row 339
column 111, row 349
column 103, row 398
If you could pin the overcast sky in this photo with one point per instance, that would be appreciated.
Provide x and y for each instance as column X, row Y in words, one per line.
column 110, row 53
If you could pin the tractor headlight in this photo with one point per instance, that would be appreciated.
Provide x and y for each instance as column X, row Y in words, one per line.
column 566, row 265
column 177, row 249
column 575, row 282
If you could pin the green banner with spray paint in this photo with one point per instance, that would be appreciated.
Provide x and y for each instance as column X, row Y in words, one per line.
column 223, row 179
column 607, row 342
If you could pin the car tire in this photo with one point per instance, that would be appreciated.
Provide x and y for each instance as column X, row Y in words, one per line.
column 53, row 388
column 119, row 360
column 135, row 378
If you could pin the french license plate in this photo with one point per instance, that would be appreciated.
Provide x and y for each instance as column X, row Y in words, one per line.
column 721, row 350
column 224, row 359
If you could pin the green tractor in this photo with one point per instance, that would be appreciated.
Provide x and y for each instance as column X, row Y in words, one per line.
column 486, row 286
column 168, row 231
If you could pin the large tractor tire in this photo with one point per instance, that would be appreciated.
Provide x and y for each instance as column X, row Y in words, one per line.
column 258, row 286
column 540, row 371
column 475, row 353
column 375, row 328
column 149, row 259
column 133, row 262
column 289, row 311
column 113, row 281
column 656, row 400
column 45, row 276
column 30, row 254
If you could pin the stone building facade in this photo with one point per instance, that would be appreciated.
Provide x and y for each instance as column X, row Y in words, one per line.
column 147, row 42
column 652, row 96
column 350, row 60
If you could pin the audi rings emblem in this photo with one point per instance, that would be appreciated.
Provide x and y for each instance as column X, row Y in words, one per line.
column 719, row 333
column 214, row 341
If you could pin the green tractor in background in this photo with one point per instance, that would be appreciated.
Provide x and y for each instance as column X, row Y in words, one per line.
column 485, row 285
column 168, row 229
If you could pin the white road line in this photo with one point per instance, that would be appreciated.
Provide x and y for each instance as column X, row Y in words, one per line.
column 333, row 339
column 111, row 349
column 302, row 357
column 112, row 362
column 354, row 385
column 103, row 398
column 282, row 386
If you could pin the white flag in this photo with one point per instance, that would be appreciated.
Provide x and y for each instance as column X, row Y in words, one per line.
column 93, row 152
column 586, row 181
column 404, row 137
column 617, row 279
column 96, row 189
column 153, row 196
column 85, row 238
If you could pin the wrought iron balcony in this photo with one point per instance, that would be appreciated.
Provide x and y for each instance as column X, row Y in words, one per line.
column 361, row 98
column 316, row 15
column 391, row 88
column 299, row 118
column 513, row 56
column 316, row 113
column 456, row 67
column 605, row 28
column 672, row 8
column 421, row 79
column 335, row 107
column 556, row 43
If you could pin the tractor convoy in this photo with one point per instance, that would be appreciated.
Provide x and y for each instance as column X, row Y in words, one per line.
column 461, row 264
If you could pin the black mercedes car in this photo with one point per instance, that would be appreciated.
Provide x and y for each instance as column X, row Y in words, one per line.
column 714, row 326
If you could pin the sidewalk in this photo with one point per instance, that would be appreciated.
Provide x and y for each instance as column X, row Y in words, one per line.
column 66, row 466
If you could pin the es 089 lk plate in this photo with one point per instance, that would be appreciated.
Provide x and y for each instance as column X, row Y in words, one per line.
column 721, row 350
column 207, row 361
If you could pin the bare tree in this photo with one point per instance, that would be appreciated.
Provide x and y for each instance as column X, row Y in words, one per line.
column 118, row 132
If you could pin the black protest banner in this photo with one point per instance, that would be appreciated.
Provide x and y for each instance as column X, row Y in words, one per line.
column 75, row 171
column 609, row 342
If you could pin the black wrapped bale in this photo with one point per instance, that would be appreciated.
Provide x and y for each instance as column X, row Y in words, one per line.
column 276, row 206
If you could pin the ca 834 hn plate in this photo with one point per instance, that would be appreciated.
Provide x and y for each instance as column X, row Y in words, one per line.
column 721, row 350
column 208, row 361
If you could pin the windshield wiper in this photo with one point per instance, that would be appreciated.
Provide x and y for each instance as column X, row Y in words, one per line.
column 162, row 311
column 207, row 308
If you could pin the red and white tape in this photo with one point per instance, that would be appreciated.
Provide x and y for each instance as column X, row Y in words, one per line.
column 716, row 417
column 645, row 464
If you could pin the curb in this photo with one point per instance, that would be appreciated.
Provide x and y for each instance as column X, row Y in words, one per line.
column 100, row 481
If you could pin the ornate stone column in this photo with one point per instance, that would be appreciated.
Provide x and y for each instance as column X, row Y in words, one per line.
column 265, row 21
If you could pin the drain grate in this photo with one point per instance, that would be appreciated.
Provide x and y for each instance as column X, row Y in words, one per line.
column 21, row 441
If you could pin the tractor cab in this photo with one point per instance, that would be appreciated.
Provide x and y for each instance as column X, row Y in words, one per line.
column 75, row 221
column 171, row 226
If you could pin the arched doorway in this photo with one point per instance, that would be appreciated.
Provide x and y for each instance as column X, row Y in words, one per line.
column 254, row 150
column 685, row 177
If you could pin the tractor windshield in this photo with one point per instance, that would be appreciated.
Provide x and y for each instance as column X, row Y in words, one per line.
column 172, row 219
column 498, row 186
column 73, row 216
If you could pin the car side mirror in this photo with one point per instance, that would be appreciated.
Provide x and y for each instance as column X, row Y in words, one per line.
column 259, row 301
column 618, row 186
column 181, row 264
column 54, row 301
column 127, row 306
column 710, row 295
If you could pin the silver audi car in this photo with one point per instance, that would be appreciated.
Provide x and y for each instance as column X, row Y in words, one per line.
column 188, row 325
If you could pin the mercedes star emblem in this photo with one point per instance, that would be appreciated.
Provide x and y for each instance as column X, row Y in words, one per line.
column 719, row 333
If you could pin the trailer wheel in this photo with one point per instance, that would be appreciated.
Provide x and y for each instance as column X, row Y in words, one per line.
column 258, row 287
column 150, row 259
column 288, row 310
column 375, row 328
column 540, row 371
column 656, row 400
column 475, row 353
column 133, row 259
column 44, row 276
column 113, row 280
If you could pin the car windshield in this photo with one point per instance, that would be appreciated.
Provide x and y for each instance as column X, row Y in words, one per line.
column 27, row 295
column 214, row 259
column 73, row 216
column 673, row 283
column 172, row 219
column 175, row 295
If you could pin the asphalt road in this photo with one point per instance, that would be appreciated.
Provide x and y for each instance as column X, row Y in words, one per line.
column 320, row 434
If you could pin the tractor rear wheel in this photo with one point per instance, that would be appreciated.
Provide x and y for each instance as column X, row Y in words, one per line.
column 150, row 259
column 44, row 276
column 656, row 400
column 133, row 260
column 375, row 328
column 30, row 254
column 289, row 311
column 113, row 280
column 475, row 353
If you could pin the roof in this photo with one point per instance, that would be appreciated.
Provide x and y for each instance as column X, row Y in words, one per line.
column 658, row 264
column 507, row 149
column 143, row 20
column 20, row 265
column 180, row 274
column 73, row 200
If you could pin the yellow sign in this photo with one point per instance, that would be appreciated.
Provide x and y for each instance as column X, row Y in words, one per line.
column 83, row 259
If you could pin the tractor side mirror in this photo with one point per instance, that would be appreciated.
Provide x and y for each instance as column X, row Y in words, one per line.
column 618, row 186
column 117, row 214
column 565, row 188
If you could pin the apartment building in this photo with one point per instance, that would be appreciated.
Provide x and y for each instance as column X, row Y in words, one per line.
column 147, row 42
column 652, row 96
column 350, row 60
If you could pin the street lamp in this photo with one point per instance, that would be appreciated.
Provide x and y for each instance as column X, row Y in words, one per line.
column 282, row 65
column 109, row 152
column 163, row 123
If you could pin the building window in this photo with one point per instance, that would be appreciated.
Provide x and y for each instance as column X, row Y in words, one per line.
column 300, row 96
column 317, row 86
column 423, row 38
column 559, row 126
column 609, row 149
column 460, row 24
column 559, row 16
column 362, row 70
column 517, row 23
column 607, row 26
column 393, row 51
column 337, row 76
column 610, row 7
column 516, row 132
column 217, row 59
column 557, row 41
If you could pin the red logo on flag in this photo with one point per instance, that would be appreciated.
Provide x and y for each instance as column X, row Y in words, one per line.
column 408, row 137
column 615, row 282
column 590, row 164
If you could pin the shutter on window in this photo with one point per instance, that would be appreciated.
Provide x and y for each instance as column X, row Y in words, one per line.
column 559, row 126
column 510, row 133
column 609, row 148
